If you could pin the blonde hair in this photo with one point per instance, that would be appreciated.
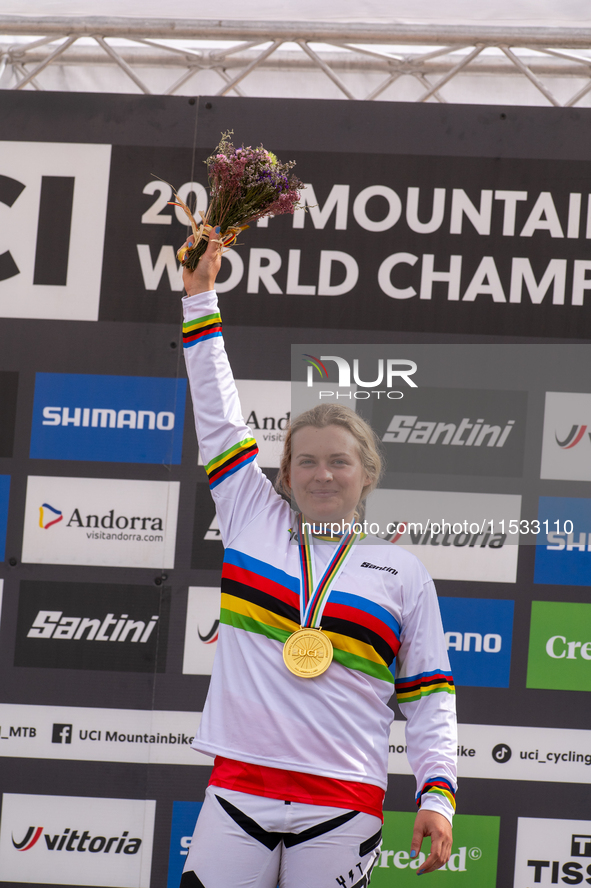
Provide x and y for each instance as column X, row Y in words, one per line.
column 335, row 414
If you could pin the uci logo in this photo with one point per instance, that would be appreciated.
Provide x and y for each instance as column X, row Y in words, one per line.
column 51, row 246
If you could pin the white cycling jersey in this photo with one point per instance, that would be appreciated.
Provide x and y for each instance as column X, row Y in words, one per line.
column 382, row 617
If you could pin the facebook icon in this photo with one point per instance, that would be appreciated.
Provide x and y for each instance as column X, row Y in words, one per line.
column 62, row 734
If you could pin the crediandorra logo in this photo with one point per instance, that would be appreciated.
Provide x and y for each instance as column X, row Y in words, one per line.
column 388, row 372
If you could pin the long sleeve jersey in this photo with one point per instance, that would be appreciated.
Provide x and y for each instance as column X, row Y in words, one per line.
column 382, row 618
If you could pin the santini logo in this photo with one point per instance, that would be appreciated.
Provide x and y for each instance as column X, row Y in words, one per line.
column 72, row 840
column 104, row 417
column 52, row 624
column 406, row 429
column 572, row 439
column 377, row 567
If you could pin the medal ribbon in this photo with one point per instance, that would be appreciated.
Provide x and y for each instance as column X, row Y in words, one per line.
column 313, row 599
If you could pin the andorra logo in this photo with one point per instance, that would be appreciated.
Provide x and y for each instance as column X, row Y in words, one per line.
column 32, row 837
column 573, row 437
column 47, row 519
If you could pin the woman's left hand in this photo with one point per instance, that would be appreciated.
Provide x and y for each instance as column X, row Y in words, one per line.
column 430, row 823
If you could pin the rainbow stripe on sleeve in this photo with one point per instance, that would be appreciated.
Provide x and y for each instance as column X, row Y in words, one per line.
column 414, row 687
column 439, row 786
column 201, row 329
column 228, row 462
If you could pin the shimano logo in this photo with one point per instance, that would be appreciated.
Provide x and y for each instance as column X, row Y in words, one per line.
column 411, row 430
column 377, row 567
column 105, row 417
column 53, row 624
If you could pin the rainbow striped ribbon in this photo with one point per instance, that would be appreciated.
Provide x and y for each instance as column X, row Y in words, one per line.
column 313, row 598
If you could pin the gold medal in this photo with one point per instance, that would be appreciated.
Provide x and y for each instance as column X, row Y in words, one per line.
column 307, row 652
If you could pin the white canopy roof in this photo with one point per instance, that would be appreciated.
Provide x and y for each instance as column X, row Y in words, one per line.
column 546, row 13
column 501, row 51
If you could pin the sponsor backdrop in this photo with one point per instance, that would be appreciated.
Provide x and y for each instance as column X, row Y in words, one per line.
column 439, row 283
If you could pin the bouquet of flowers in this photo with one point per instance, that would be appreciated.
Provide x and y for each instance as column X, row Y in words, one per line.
column 246, row 184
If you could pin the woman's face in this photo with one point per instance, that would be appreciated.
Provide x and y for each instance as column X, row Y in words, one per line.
column 327, row 476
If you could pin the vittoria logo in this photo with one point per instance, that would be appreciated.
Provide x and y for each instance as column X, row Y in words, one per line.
column 211, row 636
column 457, row 535
column 202, row 629
column 112, row 839
column 31, row 838
column 48, row 516
column 72, row 840
column 566, row 442
column 573, row 438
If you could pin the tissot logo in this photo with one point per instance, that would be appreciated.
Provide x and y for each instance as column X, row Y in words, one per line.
column 108, row 418
column 112, row 839
column 105, row 521
column 551, row 852
column 91, row 626
column 51, row 249
column 566, row 443
column 455, row 431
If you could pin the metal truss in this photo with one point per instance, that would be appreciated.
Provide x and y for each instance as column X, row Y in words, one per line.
column 432, row 55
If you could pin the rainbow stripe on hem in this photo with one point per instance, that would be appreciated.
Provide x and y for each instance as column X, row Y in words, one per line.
column 439, row 786
column 230, row 461
column 201, row 329
column 414, row 687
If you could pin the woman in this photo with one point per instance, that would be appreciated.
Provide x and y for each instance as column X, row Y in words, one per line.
column 300, row 766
